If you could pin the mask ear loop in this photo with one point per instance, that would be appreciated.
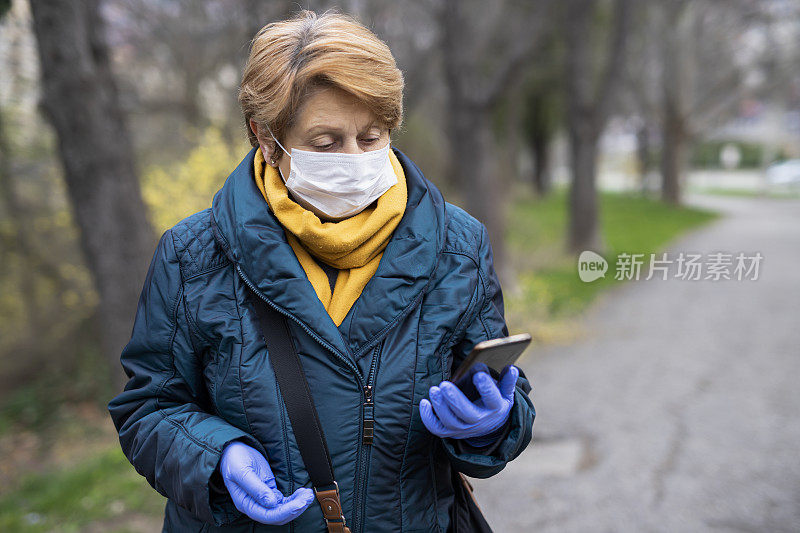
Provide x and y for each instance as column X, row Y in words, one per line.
column 276, row 140
column 282, row 148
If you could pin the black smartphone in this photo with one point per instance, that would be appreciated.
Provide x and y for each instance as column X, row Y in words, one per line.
column 496, row 354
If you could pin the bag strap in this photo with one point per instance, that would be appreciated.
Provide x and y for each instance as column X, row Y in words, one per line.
column 302, row 413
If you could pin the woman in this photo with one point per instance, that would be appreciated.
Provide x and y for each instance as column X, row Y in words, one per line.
column 386, row 288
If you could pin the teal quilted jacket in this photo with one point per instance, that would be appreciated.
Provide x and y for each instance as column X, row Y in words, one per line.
column 200, row 377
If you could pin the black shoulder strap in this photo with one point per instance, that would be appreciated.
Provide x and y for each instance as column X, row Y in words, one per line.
column 302, row 413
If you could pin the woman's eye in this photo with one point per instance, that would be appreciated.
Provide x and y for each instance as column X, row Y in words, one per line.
column 371, row 140
column 325, row 146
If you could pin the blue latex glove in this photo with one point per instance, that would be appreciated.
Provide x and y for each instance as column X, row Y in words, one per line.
column 457, row 417
column 251, row 483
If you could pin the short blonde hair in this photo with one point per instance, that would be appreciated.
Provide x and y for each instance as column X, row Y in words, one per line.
column 290, row 58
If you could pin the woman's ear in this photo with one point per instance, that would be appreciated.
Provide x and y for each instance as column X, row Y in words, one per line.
column 267, row 151
column 267, row 147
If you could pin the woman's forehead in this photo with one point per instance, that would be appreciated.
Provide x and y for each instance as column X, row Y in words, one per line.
column 332, row 109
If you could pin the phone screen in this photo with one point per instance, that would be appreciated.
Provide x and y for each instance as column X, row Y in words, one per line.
column 495, row 354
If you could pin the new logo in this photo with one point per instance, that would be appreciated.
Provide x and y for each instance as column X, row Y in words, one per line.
column 591, row 266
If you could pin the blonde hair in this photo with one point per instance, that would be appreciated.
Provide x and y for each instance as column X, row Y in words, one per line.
column 290, row 58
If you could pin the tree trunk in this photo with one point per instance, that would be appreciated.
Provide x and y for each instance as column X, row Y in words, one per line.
column 541, row 164
column 539, row 126
column 673, row 161
column 583, row 223
column 643, row 155
column 80, row 100
column 677, row 51
column 589, row 104
column 473, row 168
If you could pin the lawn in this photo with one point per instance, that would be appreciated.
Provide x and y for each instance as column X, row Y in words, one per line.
column 550, row 292
column 776, row 192
column 101, row 493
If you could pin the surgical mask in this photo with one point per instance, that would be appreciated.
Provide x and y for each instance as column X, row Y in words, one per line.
column 337, row 184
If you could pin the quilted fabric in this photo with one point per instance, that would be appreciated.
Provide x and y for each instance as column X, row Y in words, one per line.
column 200, row 377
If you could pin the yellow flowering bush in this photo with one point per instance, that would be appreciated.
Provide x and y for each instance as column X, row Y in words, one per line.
column 176, row 191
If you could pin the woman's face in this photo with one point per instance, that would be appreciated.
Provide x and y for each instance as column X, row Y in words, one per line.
column 330, row 120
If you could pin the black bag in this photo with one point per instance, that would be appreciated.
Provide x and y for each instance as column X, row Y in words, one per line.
column 465, row 515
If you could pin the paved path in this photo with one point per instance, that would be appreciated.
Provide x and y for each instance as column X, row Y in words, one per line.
column 679, row 411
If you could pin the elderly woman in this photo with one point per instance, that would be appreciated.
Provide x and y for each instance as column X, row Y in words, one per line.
column 385, row 288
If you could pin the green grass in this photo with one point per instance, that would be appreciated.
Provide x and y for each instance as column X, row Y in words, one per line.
column 747, row 193
column 103, row 488
column 536, row 237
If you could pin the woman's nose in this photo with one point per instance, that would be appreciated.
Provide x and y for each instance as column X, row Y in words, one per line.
column 351, row 146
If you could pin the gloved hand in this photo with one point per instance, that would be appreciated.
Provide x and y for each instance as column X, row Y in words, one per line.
column 251, row 483
column 457, row 417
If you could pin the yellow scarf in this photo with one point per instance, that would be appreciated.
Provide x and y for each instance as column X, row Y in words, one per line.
column 354, row 245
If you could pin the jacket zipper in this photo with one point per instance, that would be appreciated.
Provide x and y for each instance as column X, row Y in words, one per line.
column 367, row 391
column 365, row 444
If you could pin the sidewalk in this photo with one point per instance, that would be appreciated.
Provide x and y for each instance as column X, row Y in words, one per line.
column 680, row 409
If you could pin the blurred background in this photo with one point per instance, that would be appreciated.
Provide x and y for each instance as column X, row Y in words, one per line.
column 617, row 126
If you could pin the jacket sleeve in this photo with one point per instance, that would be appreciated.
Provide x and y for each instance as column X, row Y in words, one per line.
column 489, row 323
column 164, row 431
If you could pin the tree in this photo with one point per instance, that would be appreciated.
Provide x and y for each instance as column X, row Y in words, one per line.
column 640, row 91
column 181, row 62
column 703, row 77
column 542, row 118
column 80, row 100
column 484, row 52
column 588, row 105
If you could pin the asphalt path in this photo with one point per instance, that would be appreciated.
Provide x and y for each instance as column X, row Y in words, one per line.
column 679, row 407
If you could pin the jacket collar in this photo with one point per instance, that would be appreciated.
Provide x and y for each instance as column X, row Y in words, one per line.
column 254, row 239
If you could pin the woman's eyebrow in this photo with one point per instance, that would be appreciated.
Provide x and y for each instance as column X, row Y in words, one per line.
column 320, row 128
column 369, row 126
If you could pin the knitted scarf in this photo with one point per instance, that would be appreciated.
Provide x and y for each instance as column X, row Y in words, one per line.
column 354, row 245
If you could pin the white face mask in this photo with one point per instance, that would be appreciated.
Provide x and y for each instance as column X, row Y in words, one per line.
column 337, row 184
